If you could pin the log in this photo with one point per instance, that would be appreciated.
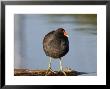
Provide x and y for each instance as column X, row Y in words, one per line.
column 28, row 72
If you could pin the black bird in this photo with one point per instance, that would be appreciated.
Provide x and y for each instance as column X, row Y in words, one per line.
column 56, row 45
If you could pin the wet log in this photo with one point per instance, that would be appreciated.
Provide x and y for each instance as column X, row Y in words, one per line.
column 27, row 72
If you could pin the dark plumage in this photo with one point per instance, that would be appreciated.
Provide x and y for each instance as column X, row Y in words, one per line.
column 56, row 44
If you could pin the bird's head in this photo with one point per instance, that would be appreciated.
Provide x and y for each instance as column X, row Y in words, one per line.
column 62, row 31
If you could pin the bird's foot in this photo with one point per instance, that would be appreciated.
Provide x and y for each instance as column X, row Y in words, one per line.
column 63, row 72
column 49, row 70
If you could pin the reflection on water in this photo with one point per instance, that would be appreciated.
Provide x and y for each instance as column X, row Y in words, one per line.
column 82, row 30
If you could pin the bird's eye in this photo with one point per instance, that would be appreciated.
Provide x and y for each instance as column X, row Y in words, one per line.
column 63, row 30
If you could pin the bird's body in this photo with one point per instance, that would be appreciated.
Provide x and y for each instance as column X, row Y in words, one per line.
column 56, row 44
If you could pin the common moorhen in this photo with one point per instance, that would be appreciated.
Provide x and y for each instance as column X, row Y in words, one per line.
column 56, row 45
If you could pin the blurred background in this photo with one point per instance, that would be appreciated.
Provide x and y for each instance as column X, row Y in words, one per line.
column 30, row 29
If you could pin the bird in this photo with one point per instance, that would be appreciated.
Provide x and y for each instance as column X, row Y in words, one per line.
column 56, row 45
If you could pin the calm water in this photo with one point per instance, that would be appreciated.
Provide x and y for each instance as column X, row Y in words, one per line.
column 30, row 31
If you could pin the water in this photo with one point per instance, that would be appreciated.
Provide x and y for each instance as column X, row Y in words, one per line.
column 31, row 29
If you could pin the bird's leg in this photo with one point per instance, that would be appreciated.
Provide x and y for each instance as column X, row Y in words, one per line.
column 61, row 68
column 49, row 66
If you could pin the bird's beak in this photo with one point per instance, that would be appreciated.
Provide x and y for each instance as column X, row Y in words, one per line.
column 66, row 34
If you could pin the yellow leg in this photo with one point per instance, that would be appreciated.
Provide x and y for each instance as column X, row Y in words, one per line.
column 49, row 66
column 61, row 68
